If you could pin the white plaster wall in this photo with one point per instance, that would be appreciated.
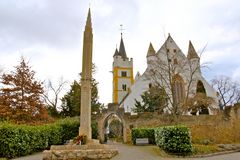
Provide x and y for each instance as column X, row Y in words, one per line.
column 137, row 89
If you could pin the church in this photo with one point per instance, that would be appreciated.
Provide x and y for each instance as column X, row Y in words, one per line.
column 164, row 66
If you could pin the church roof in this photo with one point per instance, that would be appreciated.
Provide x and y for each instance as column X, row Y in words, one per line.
column 169, row 44
column 151, row 50
column 122, row 51
column 116, row 53
column 191, row 52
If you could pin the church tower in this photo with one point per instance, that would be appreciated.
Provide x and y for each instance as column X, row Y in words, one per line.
column 122, row 74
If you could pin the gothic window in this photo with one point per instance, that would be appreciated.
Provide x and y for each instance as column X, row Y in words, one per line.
column 175, row 61
column 174, row 50
column 178, row 87
column 124, row 87
column 124, row 74
column 200, row 87
column 168, row 50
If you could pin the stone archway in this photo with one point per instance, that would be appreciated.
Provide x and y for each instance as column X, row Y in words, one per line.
column 113, row 128
column 113, row 109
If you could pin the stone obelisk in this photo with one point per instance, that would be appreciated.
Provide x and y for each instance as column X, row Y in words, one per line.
column 85, row 116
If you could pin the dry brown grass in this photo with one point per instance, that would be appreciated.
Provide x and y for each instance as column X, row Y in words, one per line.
column 216, row 133
column 199, row 149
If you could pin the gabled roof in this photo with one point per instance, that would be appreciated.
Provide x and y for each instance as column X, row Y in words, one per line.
column 191, row 52
column 151, row 51
column 169, row 43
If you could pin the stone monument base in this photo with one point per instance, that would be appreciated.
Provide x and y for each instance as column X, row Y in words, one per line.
column 90, row 151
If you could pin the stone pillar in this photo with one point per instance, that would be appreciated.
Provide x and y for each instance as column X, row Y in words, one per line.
column 85, row 116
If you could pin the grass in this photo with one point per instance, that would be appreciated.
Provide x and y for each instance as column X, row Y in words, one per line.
column 199, row 149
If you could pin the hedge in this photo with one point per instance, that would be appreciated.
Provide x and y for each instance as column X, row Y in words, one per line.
column 174, row 139
column 20, row 140
column 143, row 133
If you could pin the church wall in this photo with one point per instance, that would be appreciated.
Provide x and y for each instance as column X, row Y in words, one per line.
column 137, row 89
column 171, row 49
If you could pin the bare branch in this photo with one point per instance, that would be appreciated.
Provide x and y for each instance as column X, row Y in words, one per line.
column 52, row 100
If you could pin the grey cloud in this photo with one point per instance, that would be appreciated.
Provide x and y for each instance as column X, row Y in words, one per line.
column 28, row 22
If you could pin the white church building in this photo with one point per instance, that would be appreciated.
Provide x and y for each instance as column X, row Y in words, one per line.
column 168, row 60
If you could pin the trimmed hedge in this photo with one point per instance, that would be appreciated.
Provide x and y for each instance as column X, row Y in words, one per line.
column 174, row 139
column 143, row 133
column 20, row 140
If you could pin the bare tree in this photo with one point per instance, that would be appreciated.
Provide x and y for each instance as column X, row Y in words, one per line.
column 228, row 90
column 52, row 93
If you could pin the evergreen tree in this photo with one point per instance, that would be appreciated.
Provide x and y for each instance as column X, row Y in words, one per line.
column 21, row 95
column 153, row 100
column 71, row 102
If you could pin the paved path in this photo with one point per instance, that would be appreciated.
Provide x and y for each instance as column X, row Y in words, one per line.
column 129, row 152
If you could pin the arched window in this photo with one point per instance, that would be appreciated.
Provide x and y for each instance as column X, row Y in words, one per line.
column 200, row 87
column 178, row 88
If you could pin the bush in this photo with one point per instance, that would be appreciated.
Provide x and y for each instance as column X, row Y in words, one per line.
column 70, row 128
column 174, row 139
column 143, row 133
column 20, row 140
column 94, row 130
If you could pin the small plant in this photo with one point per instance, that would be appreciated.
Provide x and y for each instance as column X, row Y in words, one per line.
column 80, row 140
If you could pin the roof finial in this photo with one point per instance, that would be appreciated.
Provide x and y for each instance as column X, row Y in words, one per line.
column 121, row 29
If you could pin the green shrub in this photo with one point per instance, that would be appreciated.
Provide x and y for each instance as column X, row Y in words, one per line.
column 94, row 130
column 174, row 139
column 70, row 128
column 143, row 133
column 20, row 140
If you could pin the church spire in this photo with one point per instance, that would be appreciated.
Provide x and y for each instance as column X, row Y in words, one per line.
column 116, row 53
column 191, row 52
column 151, row 51
column 122, row 51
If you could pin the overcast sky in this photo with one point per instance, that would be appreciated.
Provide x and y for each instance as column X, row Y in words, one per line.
column 49, row 34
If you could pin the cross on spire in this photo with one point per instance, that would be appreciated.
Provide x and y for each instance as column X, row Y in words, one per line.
column 121, row 29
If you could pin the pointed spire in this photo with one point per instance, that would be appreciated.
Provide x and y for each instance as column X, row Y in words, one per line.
column 89, row 21
column 151, row 51
column 122, row 51
column 191, row 52
column 116, row 53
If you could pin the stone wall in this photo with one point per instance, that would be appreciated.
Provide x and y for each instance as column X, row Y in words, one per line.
column 148, row 120
column 235, row 111
column 155, row 120
column 158, row 120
